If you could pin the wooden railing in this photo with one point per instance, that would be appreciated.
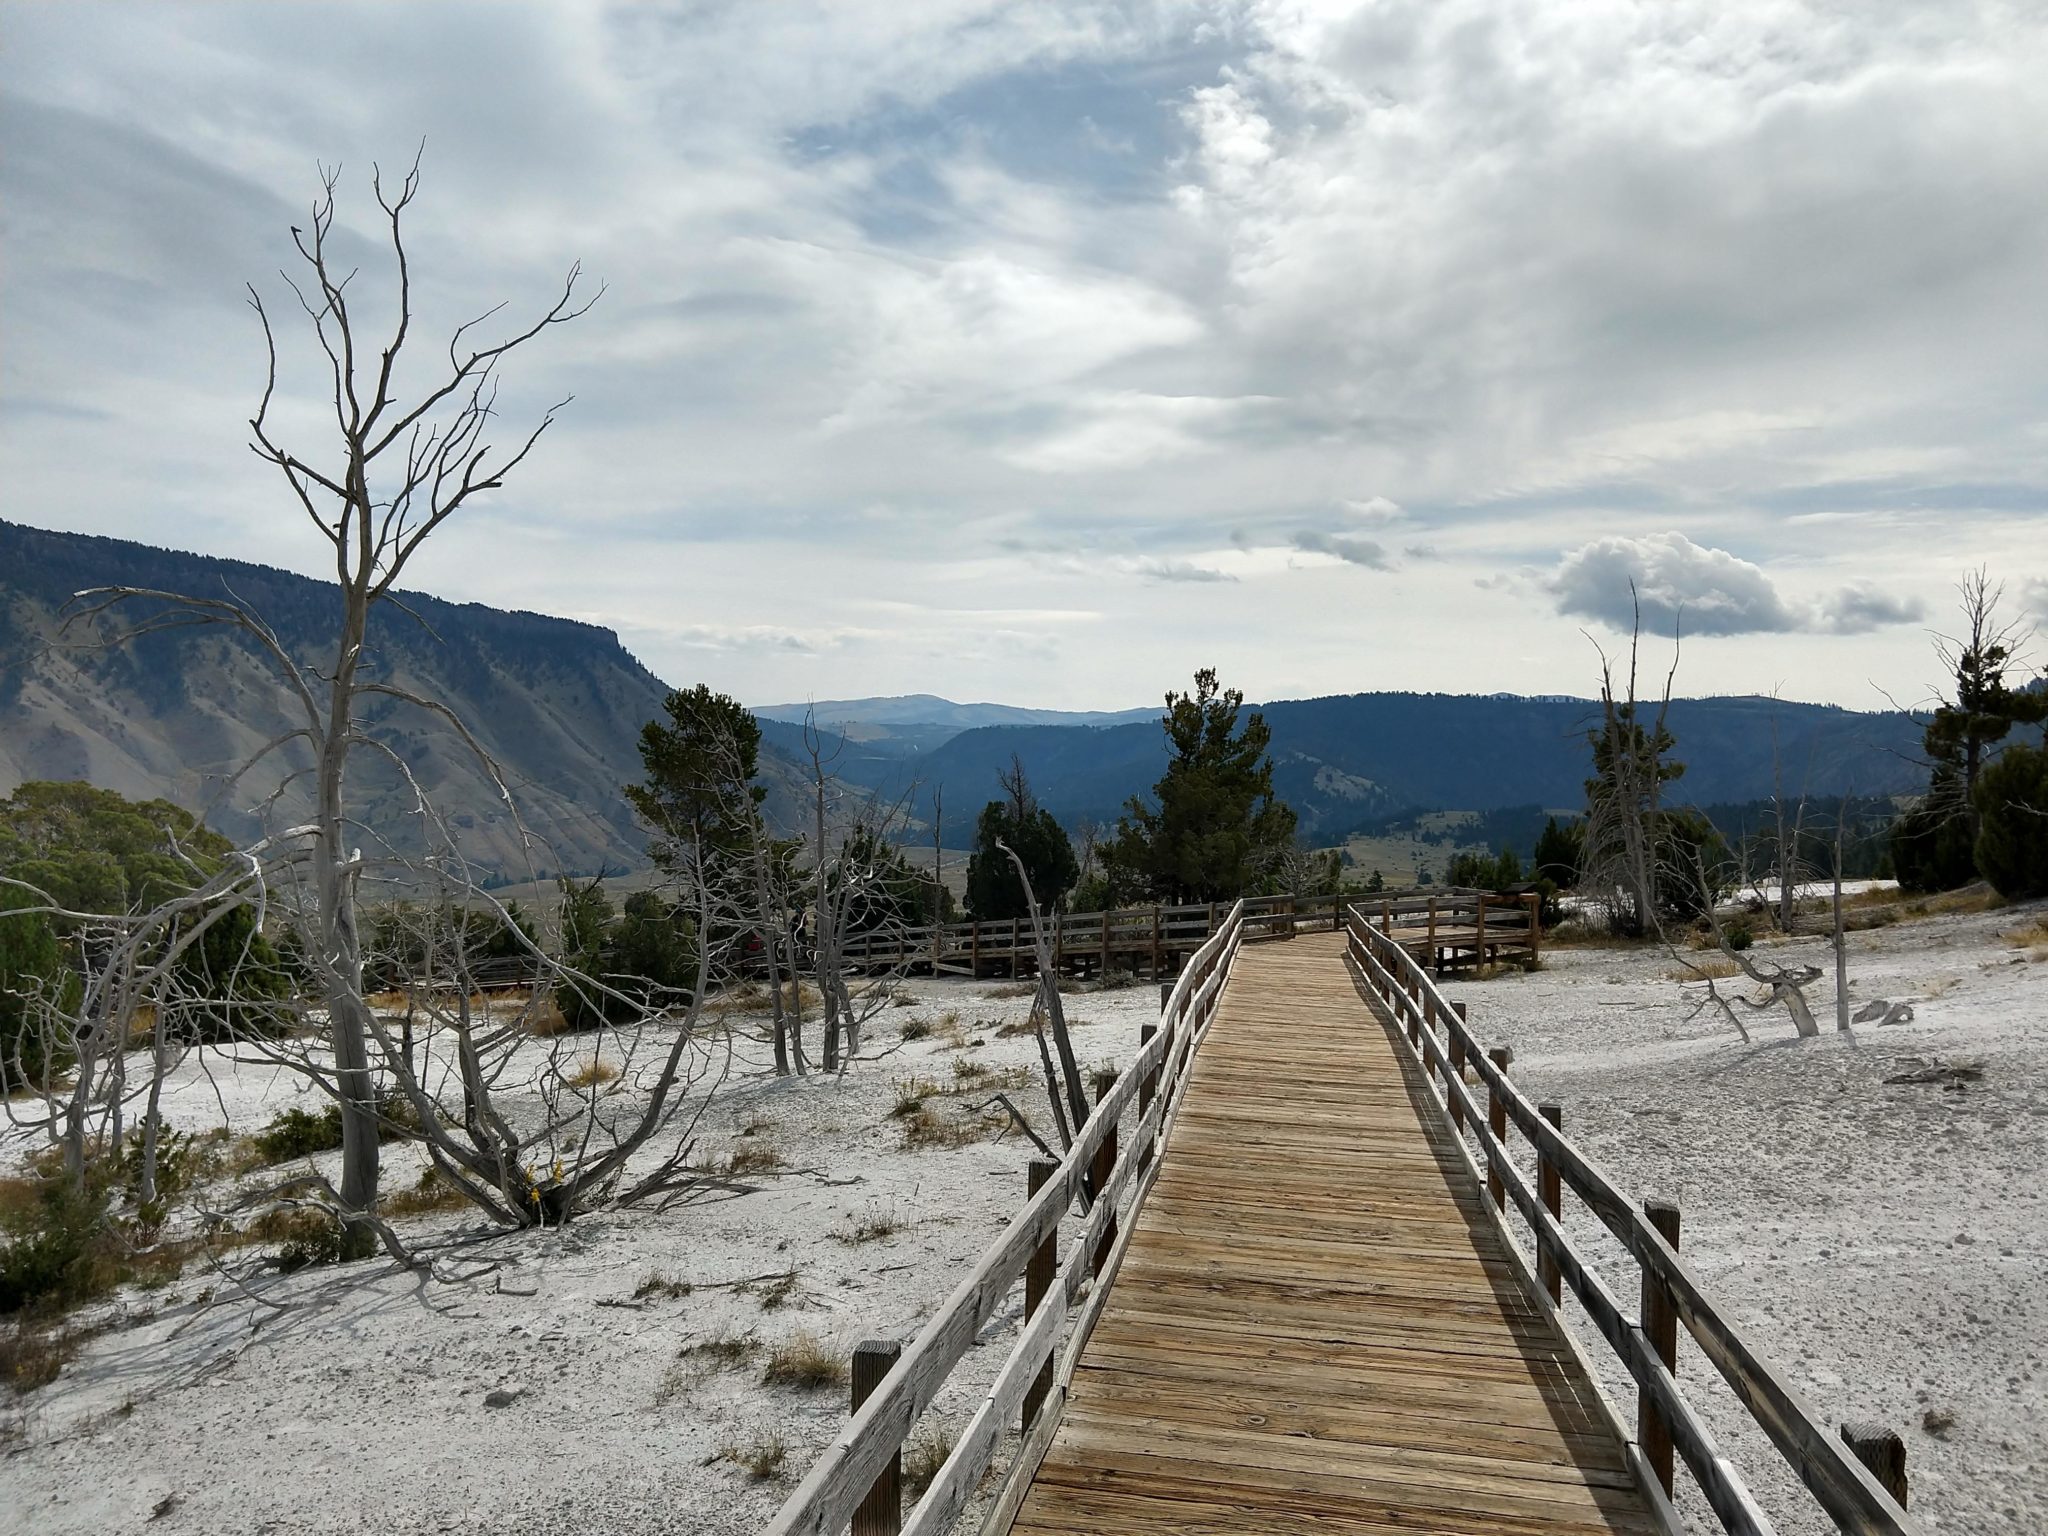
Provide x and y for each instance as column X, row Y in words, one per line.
column 857, row 1477
column 1153, row 939
column 1646, row 1344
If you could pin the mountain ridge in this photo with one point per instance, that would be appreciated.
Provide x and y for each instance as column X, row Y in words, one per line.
column 560, row 702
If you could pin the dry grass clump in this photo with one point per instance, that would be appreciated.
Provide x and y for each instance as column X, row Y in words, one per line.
column 926, row 1127
column 877, row 1225
column 924, row 1458
column 1015, row 1027
column 1015, row 989
column 722, row 1351
column 760, row 1125
column 660, row 1283
column 762, row 1456
column 805, row 1361
column 2033, row 938
column 979, row 1076
column 545, row 1020
column 755, row 1156
column 431, row 1193
column 594, row 1073
column 1702, row 970
column 917, row 1028
column 922, row 1117
column 774, row 1292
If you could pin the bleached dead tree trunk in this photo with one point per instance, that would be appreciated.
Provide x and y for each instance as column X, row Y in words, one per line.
column 1047, row 1010
column 1624, row 798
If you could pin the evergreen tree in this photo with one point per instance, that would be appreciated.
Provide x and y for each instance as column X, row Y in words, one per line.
column 1217, row 830
column 1020, row 822
column 1934, row 845
column 2012, row 833
column 1560, row 851
column 31, row 961
column 700, row 796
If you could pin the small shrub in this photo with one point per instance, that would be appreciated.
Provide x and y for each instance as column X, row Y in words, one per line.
column 1738, row 934
column 58, row 1248
column 805, row 1361
column 918, row 1028
column 758, row 1126
column 311, row 1237
column 33, row 1354
column 902, row 999
column 296, row 1133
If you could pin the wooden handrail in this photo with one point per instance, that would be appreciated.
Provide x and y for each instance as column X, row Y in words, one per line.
column 1839, row 1482
column 824, row 1502
column 1082, row 933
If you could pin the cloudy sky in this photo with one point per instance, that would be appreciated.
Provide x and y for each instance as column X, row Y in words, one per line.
column 1043, row 352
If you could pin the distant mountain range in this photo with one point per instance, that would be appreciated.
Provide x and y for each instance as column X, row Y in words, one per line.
column 1356, row 758
column 560, row 704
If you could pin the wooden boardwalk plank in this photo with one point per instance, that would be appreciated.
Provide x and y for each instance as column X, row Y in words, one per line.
column 1316, row 1324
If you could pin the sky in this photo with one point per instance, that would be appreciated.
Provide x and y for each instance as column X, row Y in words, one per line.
column 1046, row 352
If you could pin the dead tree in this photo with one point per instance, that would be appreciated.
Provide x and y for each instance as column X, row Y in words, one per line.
column 1625, row 856
column 852, row 870
column 1048, row 1011
column 392, row 473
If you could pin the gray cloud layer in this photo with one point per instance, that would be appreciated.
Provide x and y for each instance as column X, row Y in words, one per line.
column 1052, row 309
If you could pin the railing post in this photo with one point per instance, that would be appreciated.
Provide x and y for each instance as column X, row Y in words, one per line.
column 974, row 949
column 1432, row 937
column 1660, row 1327
column 1427, row 1021
column 881, row 1512
column 1550, row 1188
column 1881, row 1450
column 1535, row 901
column 1497, row 1122
column 1158, row 936
column 1104, row 1166
column 1148, row 1089
column 1040, row 1270
column 1479, row 928
column 1456, row 1103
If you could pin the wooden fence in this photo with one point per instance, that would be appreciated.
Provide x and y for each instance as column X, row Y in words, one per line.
column 1646, row 1343
column 1448, row 928
column 857, row 1479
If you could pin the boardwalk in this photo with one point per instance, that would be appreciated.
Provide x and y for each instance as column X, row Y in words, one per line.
column 1315, row 1325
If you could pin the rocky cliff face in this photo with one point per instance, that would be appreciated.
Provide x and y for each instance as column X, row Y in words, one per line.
column 557, row 704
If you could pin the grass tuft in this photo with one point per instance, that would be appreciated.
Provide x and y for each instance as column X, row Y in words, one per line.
column 805, row 1361
column 660, row 1283
column 762, row 1456
column 924, row 1458
column 594, row 1073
